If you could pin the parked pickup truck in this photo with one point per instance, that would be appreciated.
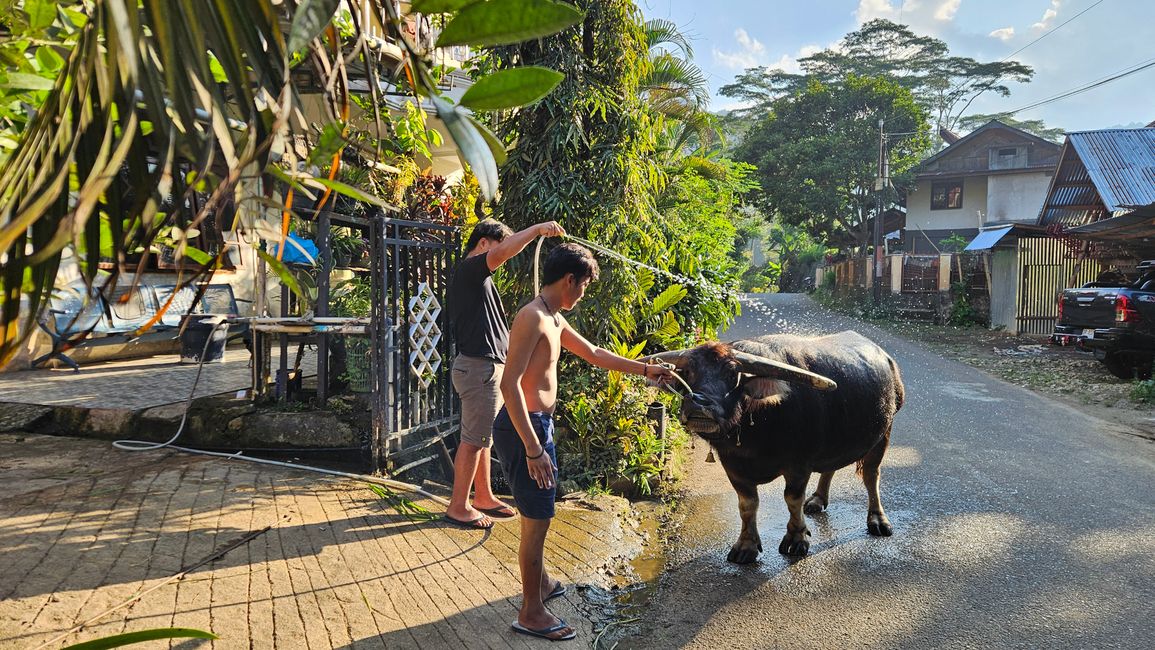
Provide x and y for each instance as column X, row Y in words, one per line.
column 1114, row 319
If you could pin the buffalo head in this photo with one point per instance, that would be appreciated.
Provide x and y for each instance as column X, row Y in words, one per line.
column 726, row 383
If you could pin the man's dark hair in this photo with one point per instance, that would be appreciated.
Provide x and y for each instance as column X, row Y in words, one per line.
column 488, row 228
column 569, row 258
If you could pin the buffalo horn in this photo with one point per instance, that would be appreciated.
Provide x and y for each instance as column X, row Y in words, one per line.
column 753, row 364
column 676, row 357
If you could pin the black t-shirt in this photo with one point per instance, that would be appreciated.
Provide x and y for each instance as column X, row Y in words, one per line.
column 475, row 311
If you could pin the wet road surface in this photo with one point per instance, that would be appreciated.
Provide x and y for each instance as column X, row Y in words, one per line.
column 1019, row 523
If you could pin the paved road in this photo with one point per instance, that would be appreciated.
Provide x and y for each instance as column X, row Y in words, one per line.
column 1019, row 523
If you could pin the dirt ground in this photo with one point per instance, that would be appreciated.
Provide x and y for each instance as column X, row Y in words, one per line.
column 1062, row 373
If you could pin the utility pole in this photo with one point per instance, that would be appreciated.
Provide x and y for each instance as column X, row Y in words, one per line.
column 880, row 185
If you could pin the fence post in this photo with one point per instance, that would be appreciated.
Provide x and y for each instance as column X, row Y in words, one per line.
column 896, row 273
column 944, row 267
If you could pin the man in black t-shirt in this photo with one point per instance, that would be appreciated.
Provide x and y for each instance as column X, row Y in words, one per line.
column 479, row 325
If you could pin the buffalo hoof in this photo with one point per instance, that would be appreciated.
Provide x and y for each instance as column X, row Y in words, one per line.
column 814, row 505
column 744, row 553
column 878, row 525
column 797, row 544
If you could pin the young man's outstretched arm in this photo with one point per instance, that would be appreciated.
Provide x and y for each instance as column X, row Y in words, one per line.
column 603, row 358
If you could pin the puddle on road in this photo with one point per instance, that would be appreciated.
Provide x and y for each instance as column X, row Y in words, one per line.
column 648, row 565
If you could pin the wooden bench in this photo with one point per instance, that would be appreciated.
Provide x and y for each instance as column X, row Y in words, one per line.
column 72, row 322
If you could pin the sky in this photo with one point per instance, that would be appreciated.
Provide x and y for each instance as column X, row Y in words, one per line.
column 729, row 36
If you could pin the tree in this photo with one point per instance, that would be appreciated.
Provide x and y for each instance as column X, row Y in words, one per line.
column 942, row 84
column 817, row 153
column 585, row 156
column 1035, row 127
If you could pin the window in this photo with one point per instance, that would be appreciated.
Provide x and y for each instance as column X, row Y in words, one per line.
column 946, row 195
column 1008, row 157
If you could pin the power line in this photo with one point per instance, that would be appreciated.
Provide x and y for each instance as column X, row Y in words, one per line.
column 965, row 82
column 1130, row 70
column 1052, row 31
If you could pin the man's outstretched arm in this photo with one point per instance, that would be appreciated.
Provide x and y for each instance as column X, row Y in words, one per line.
column 517, row 242
column 603, row 358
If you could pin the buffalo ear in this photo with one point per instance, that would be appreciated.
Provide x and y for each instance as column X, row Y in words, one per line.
column 763, row 392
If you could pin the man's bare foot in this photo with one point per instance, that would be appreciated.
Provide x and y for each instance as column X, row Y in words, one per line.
column 551, row 589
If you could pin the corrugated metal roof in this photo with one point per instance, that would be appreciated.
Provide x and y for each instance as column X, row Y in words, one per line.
column 986, row 240
column 1121, row 164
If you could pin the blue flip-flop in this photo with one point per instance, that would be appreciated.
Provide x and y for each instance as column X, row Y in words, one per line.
column 558, row 592
column 545, row 633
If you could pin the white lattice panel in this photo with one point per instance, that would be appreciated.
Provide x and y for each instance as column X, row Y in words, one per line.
column 424, row 335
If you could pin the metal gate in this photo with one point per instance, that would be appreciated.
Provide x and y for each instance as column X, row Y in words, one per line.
column 1046, row 268
column 414, row 405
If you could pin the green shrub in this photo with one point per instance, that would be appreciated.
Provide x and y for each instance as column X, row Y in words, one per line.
column 609, row 436
column 962, row 313
column 1143, row 391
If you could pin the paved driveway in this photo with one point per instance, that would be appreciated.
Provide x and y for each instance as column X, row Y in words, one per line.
column 264, row 557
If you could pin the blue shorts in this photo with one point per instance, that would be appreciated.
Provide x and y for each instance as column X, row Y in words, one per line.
column 532, row 501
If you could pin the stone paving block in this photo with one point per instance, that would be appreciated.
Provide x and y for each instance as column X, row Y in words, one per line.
column 334, row 568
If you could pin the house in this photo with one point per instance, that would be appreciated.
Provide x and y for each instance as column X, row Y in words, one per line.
column 995, row 175
column 1105, row 179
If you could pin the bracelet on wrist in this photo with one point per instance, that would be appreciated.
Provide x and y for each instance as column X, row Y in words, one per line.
column 539, row 454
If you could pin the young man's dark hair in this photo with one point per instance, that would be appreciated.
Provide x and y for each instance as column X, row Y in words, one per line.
column 569, row 258
column 489, row 229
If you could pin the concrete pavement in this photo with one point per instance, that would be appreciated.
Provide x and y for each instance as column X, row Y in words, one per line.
column 275, row 557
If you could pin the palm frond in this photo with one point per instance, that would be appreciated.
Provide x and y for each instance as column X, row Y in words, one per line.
column 661, row 31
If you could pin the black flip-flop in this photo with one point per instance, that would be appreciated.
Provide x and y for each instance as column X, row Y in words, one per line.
column 545, row 633
column 475, row 524
column 501, row 512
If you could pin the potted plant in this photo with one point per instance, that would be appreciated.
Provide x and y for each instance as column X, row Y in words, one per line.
column 348, row 247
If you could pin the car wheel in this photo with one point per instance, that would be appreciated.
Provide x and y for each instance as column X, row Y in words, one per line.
column 1143, row 370
column 1119, row 367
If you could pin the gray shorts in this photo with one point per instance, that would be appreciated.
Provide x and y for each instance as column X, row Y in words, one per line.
column 477, row 381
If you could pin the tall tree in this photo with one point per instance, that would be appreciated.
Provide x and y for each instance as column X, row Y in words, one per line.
column 585, row 156
column 817, row 153
column 943, row 84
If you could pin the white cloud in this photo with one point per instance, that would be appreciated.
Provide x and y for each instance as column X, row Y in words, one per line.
column 870, row 9
column 1005, row 34
column 1048, row 16
column 947, row 10
column 749, row 55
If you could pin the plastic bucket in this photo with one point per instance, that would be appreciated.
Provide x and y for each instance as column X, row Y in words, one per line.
column 201, row 329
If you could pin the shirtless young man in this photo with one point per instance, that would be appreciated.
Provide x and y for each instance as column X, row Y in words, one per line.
column 523, row 431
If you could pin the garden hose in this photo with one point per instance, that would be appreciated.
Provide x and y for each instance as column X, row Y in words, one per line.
column 142, row 445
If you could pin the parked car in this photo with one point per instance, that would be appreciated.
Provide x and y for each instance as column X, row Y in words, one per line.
column 1114, row 318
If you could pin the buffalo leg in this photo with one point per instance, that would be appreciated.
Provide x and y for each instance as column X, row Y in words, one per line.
column 797, row 539
column 749, row 543
column 818, row 501
column 876, row 522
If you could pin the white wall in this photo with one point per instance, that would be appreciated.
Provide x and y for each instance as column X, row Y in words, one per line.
column 918, row 212
column 1016, row 197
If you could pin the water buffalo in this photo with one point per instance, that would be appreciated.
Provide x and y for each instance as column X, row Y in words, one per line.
column 769, row 407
